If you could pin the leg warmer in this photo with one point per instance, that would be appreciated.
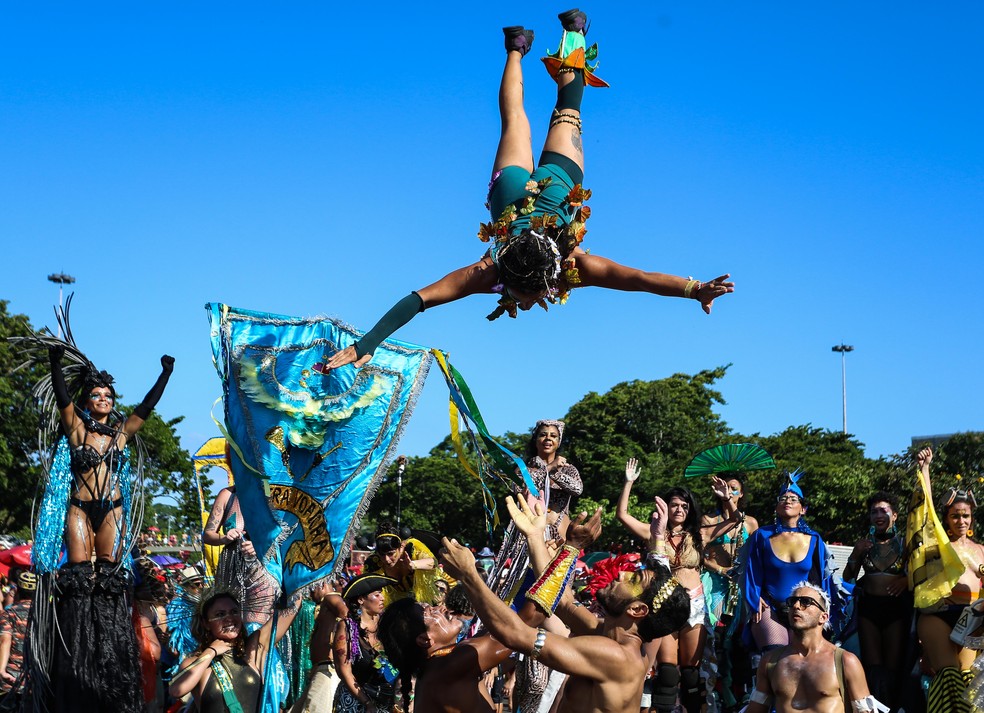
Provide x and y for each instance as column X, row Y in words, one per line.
column 692, row 691
column 666, row 688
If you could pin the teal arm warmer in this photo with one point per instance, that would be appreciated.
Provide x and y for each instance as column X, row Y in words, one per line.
column 399, row 314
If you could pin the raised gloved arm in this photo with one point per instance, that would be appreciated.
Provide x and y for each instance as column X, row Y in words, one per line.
column 157, row 390
column 62, row 398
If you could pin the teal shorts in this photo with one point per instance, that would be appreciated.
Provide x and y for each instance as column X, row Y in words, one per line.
column 509, row 187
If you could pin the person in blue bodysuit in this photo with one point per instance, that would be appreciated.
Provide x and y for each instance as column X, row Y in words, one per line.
column 779, row 556
column 538, row 213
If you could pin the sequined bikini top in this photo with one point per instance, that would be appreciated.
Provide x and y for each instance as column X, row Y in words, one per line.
column 85, row 458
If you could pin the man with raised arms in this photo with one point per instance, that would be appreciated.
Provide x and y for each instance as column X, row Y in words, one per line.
column 603, row 657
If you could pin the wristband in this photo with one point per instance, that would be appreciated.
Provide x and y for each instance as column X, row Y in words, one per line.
column 541, row 639
column 547, row 590
column 759, row 697
column 869, row 704
column 692, row 288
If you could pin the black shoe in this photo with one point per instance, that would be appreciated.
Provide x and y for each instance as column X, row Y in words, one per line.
column 518, row 38
column 574, row 21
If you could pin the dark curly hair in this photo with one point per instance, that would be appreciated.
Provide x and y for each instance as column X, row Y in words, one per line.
column 399, row 627
column 526, row 262
column 882, row 497
column 671, row 616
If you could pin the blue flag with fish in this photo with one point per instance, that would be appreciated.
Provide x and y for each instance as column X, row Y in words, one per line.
column 309, row 446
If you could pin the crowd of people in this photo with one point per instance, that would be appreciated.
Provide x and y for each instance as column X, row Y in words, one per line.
column 708, row 613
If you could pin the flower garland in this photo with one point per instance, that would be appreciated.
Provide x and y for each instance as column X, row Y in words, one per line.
column 562, row 240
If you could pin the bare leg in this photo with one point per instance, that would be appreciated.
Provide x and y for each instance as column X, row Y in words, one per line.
column 692, row 641
column 78, row 536
column 515, row 144
column 113, row 526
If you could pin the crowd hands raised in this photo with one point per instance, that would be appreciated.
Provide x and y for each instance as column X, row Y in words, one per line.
column 705, row 613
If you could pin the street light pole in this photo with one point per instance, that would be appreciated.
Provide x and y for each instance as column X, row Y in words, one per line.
column 400, row 468
column 60, row 279
column 843, row 349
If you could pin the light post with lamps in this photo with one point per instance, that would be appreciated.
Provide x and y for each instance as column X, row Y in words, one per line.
column 60, row 279
column 843, row 349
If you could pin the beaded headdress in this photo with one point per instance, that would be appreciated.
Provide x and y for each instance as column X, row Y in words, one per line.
column 559, row 425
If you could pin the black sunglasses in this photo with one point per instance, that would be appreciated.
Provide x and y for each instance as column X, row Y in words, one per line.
column 803, row 602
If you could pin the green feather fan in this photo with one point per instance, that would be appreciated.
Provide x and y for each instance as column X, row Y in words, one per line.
column 732, row 457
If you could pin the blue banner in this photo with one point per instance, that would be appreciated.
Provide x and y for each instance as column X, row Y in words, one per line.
column 308, row 447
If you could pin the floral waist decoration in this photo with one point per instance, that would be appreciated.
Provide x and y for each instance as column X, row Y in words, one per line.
column 562, row 239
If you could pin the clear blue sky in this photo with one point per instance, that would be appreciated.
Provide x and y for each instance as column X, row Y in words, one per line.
column 313, row 158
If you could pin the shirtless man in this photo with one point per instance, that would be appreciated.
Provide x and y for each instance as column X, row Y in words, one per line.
column 422, row 640
column 603, row 657
column 805, row 676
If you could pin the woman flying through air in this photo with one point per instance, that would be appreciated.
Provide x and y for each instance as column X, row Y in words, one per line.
column 538, row 213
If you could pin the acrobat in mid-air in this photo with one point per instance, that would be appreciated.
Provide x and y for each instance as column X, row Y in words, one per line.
column 538, row 214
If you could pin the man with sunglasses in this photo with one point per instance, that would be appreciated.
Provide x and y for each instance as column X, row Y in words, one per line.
column 811, row 674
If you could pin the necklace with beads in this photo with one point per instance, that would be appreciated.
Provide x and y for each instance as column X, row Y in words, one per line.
column 677, row 548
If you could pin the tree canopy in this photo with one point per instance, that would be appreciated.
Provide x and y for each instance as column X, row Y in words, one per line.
column 663, row 424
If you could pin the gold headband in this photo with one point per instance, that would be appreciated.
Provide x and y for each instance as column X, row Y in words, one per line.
column 389, row 534
column 664, row 593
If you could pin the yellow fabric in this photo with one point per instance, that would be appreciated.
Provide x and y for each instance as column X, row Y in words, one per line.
column 934, row 565
column 419, row 583
column 547, row 590
column 211, row 453
column 456, row 439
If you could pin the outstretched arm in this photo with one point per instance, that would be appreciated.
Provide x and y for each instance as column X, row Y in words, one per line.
column 596, row 658
column 142, row 412
column 636, row 527
column 480, row 276
column 597, row 271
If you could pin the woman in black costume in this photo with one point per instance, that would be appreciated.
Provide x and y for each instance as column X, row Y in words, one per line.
column 94, row 662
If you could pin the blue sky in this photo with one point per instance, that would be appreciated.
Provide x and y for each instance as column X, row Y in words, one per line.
column 302, row 159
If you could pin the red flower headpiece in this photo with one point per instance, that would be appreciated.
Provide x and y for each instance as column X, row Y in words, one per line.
column 606, row 571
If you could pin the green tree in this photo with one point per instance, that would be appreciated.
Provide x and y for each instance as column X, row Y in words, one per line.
column 837, row 479
column 438, row 494
column 662, row 423
column 169, row 472
column 20, row 472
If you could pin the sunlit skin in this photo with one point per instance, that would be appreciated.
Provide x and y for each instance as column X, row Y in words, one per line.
column 882, row 517
column 547, row 442
column 371, row 606
column 223, row 622
column 81, row 539
column 801, row 676
column 443, row 628
column 933, row 631
column 684, row 647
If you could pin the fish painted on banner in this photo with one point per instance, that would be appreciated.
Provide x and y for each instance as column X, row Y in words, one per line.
column 308, row 447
